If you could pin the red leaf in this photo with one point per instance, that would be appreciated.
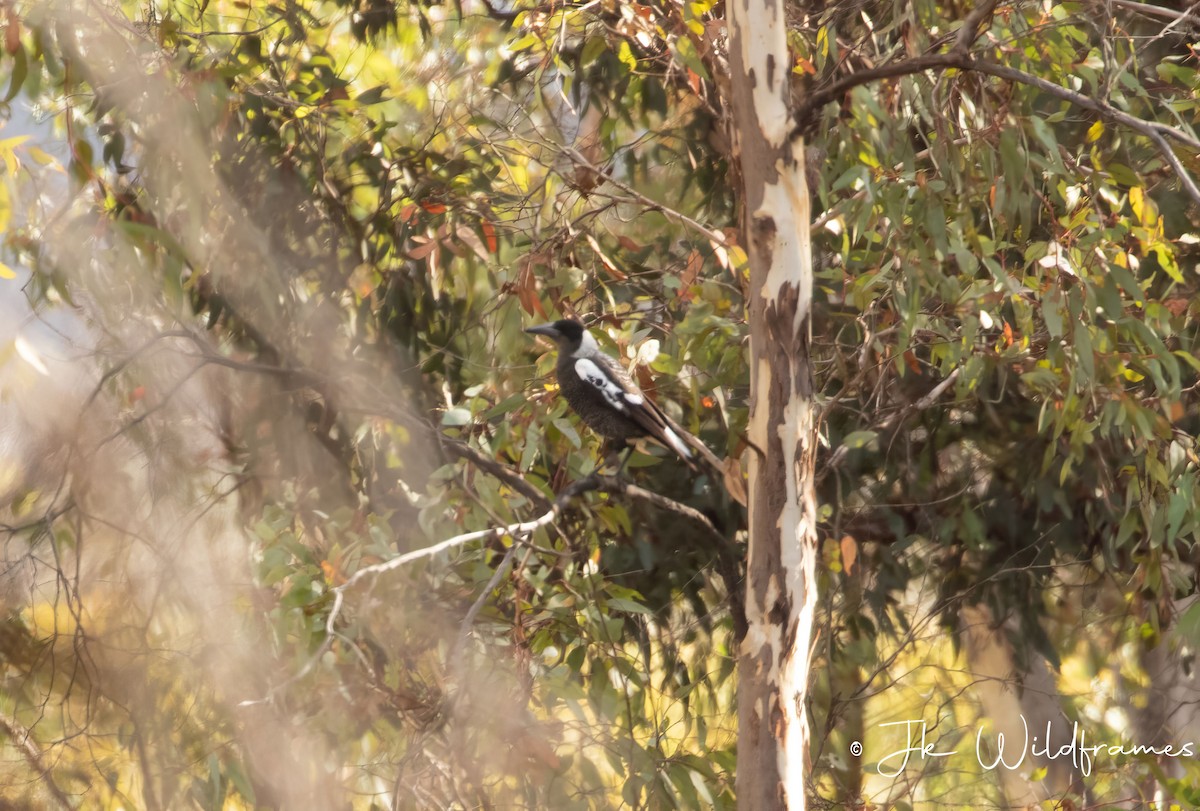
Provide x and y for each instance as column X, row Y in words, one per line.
column 911, row 361
column 489, row 235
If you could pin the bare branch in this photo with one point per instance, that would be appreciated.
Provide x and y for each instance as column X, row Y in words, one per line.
column 839, row 455
column 971, row 25
column 456, row 660
column 490, row 466
column 1158, row 11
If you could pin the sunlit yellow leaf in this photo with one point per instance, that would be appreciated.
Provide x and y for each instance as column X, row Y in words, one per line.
column 43, row 158
column 1136, row 197
column 6, row 272
column 1143, row 207
column 625, row 54
column 520, row 176
column 8, row 151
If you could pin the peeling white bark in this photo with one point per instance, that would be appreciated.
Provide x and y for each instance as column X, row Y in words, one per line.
column 787, row 203
column 773, row 733
column 758, row 31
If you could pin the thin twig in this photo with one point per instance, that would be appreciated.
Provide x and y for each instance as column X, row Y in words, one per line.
column 468, row 622
column 969, row 32
column 839, row 455
column 670, row 213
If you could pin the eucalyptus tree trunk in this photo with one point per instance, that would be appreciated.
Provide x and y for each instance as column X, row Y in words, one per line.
column 773, row 733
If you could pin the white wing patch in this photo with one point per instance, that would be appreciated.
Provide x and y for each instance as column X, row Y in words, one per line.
column 677, row 444
column 616, row 396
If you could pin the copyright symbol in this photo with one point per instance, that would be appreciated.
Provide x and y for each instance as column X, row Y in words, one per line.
column 855, row 748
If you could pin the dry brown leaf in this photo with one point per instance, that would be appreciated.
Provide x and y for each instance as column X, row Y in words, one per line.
column 695, row 263
column 849, row 553
column 735, row 483
column 1177, row 306
column 469, row 238
column 527, row 287
column 425, row 246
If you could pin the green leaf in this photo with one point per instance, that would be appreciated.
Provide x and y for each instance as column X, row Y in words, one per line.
column 508, row 404
column 685, row 51
column 373, row 95
column 629, row 606
column 565, row 427
column 19, row 71
column 1084, row 353
column 1052, row 314
column 859, row 439
column 1187, row 626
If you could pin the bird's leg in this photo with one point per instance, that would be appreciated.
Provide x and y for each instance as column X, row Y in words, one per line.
column 613, row 450
column 627, row 450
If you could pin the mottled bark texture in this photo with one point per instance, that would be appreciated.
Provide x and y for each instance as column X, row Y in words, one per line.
column 773, row 734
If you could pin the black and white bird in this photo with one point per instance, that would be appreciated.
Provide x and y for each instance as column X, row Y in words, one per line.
column 606, row 398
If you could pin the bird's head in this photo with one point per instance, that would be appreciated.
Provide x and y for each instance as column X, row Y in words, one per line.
column 567, row 333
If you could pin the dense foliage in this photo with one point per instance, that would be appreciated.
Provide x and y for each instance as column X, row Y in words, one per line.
column 300, row 241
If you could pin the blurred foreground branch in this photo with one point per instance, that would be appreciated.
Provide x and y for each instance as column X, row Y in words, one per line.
column 22, row 740
column 519, row 531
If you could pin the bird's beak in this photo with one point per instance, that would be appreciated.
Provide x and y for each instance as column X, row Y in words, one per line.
column 544, row 329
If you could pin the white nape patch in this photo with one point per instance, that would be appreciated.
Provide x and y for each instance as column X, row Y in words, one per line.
column 612, row 391
column 677, row 444
column 588, row 343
